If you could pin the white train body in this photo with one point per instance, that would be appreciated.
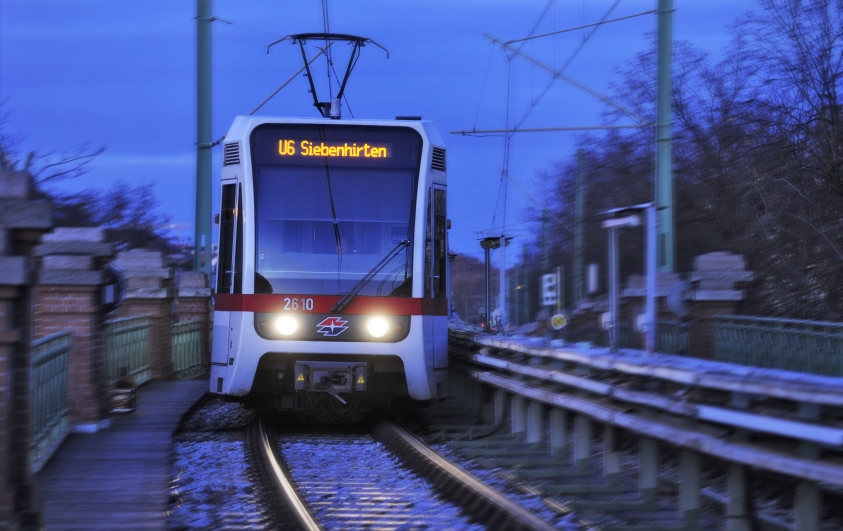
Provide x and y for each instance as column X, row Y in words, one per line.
column 332, row 273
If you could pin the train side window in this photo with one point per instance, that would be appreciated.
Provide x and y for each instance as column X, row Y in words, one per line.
column 440, row 251
column 428, row 248
column 227, row 213
column 238, row 246
column 436, row 253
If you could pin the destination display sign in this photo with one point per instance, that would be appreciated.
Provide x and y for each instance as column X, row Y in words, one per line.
column 338, row 149
column 337, row 145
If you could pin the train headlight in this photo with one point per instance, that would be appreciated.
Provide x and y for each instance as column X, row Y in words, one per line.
column 286, row 325
column 377, row 326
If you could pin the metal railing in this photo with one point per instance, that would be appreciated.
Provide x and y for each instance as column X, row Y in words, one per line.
column 674, row 337
column 49, row 395
column 187, row 358
column 718, row 404
column 789, row 344
column 595, row 335
column 127, row 347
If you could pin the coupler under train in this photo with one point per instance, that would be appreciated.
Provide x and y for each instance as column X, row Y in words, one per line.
column 331, row 377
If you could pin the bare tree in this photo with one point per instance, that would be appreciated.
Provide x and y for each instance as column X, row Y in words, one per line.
column 757, row 156
column 799, row 44
column 47, row 167
column 128, row 213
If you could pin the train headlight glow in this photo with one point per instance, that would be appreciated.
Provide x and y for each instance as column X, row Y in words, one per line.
column 377, row 327
column 286, row 325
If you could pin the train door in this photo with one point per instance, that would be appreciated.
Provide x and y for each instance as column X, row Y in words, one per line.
column 436, row 282
column 229, row 280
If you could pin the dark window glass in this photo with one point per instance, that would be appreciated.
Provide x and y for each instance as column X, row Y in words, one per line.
column 238, row 248
column 229, row 194
column 436, row 252
column 323, row 222
column 441, row 252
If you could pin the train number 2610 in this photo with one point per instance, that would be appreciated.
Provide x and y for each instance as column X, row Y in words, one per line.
column 293, row 303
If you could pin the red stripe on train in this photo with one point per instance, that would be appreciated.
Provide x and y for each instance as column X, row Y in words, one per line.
column 224, row 302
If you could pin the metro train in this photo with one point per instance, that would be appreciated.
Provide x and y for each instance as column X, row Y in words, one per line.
column 332, row 274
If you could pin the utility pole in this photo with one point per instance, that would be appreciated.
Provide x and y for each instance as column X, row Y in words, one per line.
column 202, row 231
column 545, row 242
column 525, row 286
column 650, row 301
column 502, row 294
column 488, row 268
column 579, row 207
column 664, row 155
column 613, row 289
column 489, row 243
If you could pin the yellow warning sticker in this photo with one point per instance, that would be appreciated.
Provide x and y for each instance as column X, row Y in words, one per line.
column 360, row 379
column 558, row 322
column 300, row 378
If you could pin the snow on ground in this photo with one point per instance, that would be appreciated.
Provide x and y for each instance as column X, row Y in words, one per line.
column 210, row 488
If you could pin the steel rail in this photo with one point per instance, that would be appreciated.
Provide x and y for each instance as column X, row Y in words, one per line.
column 486, row 504
column 287, row 493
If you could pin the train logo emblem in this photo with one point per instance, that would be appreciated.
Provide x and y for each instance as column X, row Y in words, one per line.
column 332, row 326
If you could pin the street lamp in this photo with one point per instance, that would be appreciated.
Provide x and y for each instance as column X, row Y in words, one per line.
column 494, row 242
column 631, row 217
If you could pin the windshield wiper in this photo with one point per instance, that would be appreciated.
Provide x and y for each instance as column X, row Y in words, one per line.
column 338, row 307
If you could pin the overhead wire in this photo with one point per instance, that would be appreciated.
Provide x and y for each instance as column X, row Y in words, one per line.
column 344, row 97
column 567, row 63
column 503, row 186
column 329, row 56
column 230, row 23
column 355, row 52
column 483, row 88
column 338, row 239
column 541, row 17
column 505, row 164
column 566, row 30
column 538, row 203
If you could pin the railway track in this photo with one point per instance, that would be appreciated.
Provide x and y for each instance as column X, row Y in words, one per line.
column 377, row 481
column 586, row 477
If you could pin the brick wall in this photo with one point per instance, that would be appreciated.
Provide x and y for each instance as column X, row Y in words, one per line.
column 22, row 222
column 150, row 293
column 68, row 296
column 193, row 301
column 76, row 308
column 8, row 342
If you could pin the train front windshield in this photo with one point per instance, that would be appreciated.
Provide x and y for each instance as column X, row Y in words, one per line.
column 332, row 202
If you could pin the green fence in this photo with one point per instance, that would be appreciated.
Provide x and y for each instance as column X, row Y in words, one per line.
column 674, row 337
column 187, row 359
column 789, row 344
column 592, row 333
column 127, row 349
column 49, row 394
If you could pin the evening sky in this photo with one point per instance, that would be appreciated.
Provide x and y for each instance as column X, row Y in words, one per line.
column 121, row 74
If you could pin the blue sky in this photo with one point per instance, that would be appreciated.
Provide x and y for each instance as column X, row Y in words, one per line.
column 122, row 75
